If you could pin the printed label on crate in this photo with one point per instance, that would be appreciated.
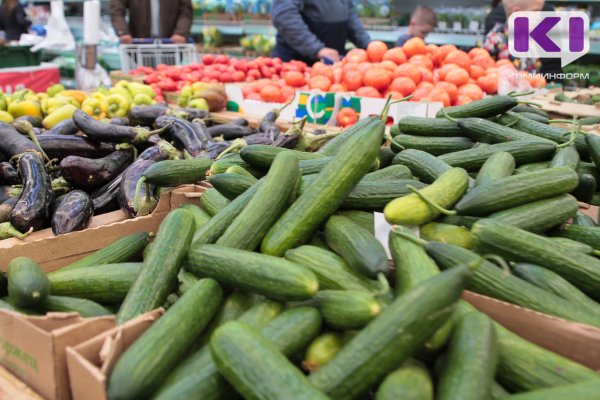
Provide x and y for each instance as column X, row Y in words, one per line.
column 318, row 107
column 37, row 79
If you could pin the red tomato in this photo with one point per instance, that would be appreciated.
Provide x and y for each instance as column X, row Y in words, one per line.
column 347, row 117
column 208, row 59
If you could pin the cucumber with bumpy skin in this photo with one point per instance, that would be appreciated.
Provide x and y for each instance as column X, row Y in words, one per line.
column 231, row 185
column 28, row 285
column 322, row 350
column 433, row 145
column 589, row 235
column 422, row 126
column 484, row 108
column 346, row 309
column 498, row 166
column 422, row 164
column 587, row 390
column 86, row 308
column 212, row 201
column 410, row 382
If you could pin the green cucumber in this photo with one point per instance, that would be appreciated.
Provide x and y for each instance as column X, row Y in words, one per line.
column 484, row 108
column 200, row 216
column 262, row 156
column 524, row 108
column 395, row 130
column 177, row 172
column 259, row 273
column 251, row 225
column 398, row 332
column 105, row 284
column 346, row 309
column 459, row 220
column 375, row 195
column 539, row 216
column 410, row 382
column 171, row 299
column 587, row 390
column 361, row 250
column 141, row 368
column 573, row 245
column 523, row 151
column 565, row 157
column 589, row 235
column 86, row 308
column 586, row 188
column 327, row 192
column 212, row 201
column 28, row 285
column 390, row 173
column 470, row 363
column 197, row 376
column 588, row 168
column 591, row 120
column 518, row 245
column 322, row 350
column 332, row 272
column 447, row 233
column 498, row 166
column 523, row 365
column 530, row 167
column 221, row 165
column 186, row 281
column 444, row 192
column 231, row 185
column 423, row 126
column 385, row 157
column 593, row 143
column 582, row 219
column 498, row 392
column 490, row 280
column 363, row 218
column 315, row 166
column 431, row 144
column 423, row 165
column 125, row 249
column 256, row 367
column 158, row 275
column 335, row 145
column 485, row 131
column 553, row 283
column 517, row 190
column 237, row 169
column 535, row 117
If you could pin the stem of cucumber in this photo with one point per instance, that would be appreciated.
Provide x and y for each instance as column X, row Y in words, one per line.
column 499, row 261
column 411, row 238
column 385, row 285
column 445, row 114
column 429, row 202
column 515, row 94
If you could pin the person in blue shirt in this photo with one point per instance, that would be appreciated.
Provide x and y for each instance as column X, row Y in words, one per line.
column 422, row 23
column 310, row 30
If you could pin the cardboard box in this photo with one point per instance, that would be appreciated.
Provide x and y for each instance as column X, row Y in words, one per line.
column 53, row 252
column 568, row 110
column 13, row 388
column 91, row 362
column 116, row 76
column 33, row 347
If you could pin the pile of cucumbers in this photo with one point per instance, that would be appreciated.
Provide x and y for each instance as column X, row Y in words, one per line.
column 276, row 286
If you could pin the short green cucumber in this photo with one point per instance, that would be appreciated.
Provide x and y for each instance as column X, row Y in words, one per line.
column 390, row 173
column 262, row 156
column 573, row 244
column 484, row 108
column 255, row 367
column 186, row 281
column 221, row 165
column 363, row 218
column 212, row 201
column 535, row 117
column 593, row 143
column 471, row 359
column 486, row 131
column 541, row 215
column 125, row 249
column 104, row 284
column 409, row 382
column 141, row 368
column 28, row 285
column 524, row 151
column 238, row 169
column 200, row 216
column 177, row 172
column 231, row 185
column 587, row 390
column 158, row 275
column 432, row 144
column 444, row 192
column 516, row 190
column 589, row 235
column 565, row 157
column 524, row 108
column 330, row 269
column 586, row 188
column 530, row 167
column 385, row 157
column 375, row 195
column 498, row 166
column 459, row 220
column 582, row 219
column 324, row 196
column 588, row 168
column 346, row 309
column 251, row 225
column 516, row 244
column 423, row 126
column 422, row 164
column 259, row 273
column 447, row 233
column 85, row 308
column 334, row 146
column 361, row 250
column 553, row 283
column 315, row 166
column 322, row 350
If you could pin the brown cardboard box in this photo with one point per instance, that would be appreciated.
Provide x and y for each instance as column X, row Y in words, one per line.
column 12, row 388
column 33, row 347
column 53, row 252
column 91, row 362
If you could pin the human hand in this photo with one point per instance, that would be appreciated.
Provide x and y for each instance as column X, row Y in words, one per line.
column 332, row 54
column 125, row 39
column 179, row 39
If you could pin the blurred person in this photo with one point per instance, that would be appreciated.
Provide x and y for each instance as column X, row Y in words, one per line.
column 422, row 23
column 309, row 30
column 152, row 19
column 13, row 20
column 497, row 14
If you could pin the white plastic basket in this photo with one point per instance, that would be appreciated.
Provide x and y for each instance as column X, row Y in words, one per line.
column 152, row 54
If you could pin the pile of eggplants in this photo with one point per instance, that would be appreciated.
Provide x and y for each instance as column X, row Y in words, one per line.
column 61, row 177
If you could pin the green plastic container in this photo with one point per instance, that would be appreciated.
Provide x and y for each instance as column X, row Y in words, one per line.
column 18, row 56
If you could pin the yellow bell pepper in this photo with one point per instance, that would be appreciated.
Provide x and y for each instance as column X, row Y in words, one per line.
column 102, row 89
column 99, row 96
column 68, row 100
column 199, row 104
column 58, row 115
column 137, row 88
column 5, row 117
column 184, row 96
column 142, row 99
column 55, row 89
column 53, row 103
column 122, row 91
column 117, row 106
column 25, row 108
column 3, row 102
column 78, row 95
column 94, row 107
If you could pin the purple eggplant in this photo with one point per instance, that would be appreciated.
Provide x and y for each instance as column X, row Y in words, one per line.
column 182, row 132
column 32, row 208
column 71, row 212
column 6, row 208
column 146, row 115
column 6, row 192
column 214, row 149
column 103, row 132
column 12, row 143
column 230, row 131
column 65, row 127
column 89, row 174
column 194, row 113
column 8, row 174
column 61, row 146
column 202, row 132
column 123, row 121
column 140, row 202
column 36, row 122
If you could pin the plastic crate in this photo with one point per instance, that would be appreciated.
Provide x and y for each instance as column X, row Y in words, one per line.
column 18, row 56
column 155, row 53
